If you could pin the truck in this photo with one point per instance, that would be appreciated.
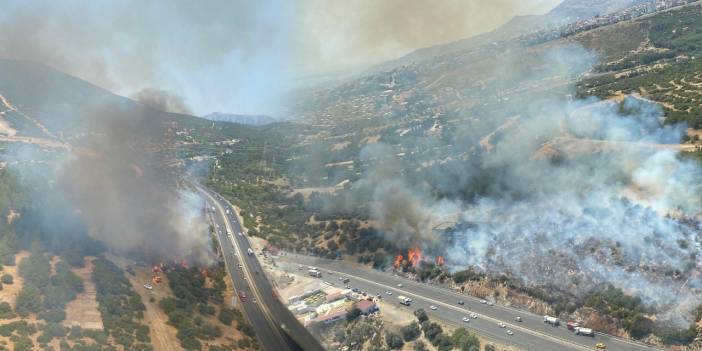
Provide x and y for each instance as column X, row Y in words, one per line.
column 249, row 251
column 584, row 331
column 552, row 321
column 404, row 300
column 315, row 273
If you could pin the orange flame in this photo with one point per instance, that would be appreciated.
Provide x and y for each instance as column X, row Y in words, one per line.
column 398, row 261
column 440, row 260
column 414, row 256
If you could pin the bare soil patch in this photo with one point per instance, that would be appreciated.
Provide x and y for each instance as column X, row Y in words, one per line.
column 83, row 311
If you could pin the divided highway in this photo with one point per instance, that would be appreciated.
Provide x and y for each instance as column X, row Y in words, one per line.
column 276, row 327
column 530, row 334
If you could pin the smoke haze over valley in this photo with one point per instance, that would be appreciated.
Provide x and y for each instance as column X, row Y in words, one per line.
column 543, row 155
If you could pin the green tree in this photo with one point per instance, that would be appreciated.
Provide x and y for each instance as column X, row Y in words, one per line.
column 410, row 331
column 465, row 340
column 421, row 315
column 394, row 340
column 28, row 301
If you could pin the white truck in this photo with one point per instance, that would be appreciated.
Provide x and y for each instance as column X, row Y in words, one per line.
column 404, row 300
column 584, row 331
column 552, row 321
column 315, row 273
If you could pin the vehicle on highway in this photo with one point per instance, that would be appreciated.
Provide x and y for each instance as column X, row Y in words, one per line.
column 460, row 302
column 355, row 290
column 249, row 251
column 474, row 316
column 404, row 300
column 483, row 301
column 490, row 303
column 299, row 267
column 240, row 234
column 314, row 273
column 148, row 286
column 346, row 280
column 254, row 300
column 584, row 331
column 242, row 296
column 572, row 325
column 399, row 285
column 600, row 345
column 502, row 325
column 239, row 265
column 465, row 319
column 388, row 293
column 517, row 319
column 510, row 332
column 432, row 307
column 552, row 321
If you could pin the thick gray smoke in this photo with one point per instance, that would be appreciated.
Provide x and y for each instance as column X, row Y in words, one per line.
column 117, row 179
column 567, row 192
column 162, row 100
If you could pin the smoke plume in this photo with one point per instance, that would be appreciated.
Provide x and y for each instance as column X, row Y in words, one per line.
column 567, row 193
column 162, row 100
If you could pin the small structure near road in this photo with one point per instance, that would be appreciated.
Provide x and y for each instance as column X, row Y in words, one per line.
column 367, row 307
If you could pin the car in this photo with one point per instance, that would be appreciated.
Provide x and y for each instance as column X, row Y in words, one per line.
column 299, row 267
column 510, row 332
column 465, row 319
column 432, row 307
column 483, row 301
column 517, row 319
column 600, row 345
column 254, row 300
column 474, row 316
column 148, row 286
column 502, row 325
column 460, row 302
column 355, row 290
column 399, row 285
column 489, row 303
column 388, row 292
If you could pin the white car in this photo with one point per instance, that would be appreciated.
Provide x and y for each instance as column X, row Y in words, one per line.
column 474, row 316
column 399, row 285
column 510, row 332
column 465, row 319
column 502, row 325
column 490, row 303
column 483, row 301
column 148, row 286
column 388, row 292
column 432, row 307
column 518, row 319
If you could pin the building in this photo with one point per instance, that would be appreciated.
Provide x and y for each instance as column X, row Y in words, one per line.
column 331, row 317
column 366, row 306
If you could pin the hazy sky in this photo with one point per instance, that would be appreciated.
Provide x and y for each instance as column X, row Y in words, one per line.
column 231, row 55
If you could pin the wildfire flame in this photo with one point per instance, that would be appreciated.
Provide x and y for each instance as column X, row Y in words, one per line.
column 414, row 256
column 398, row 261
column 440, row 260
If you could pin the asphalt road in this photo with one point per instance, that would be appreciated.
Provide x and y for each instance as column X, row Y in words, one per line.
column 273, row 322
column 530, row 334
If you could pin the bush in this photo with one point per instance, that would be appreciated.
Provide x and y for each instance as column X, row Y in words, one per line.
column 421, row 315
column 6, row 311
column 410, row 331
column 420, row 346
column 465, row 340
column 28, row 301
column 226, row 315
column 7, row 279
column 393, row 340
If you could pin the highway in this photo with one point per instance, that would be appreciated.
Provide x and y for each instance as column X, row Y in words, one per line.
column 530, row 334
column 273, row 322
